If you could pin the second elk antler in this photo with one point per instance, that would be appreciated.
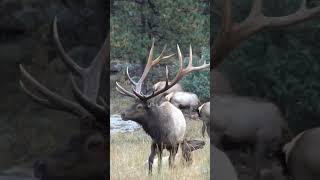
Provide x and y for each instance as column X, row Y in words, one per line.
column 232, row 34
column 86, row 104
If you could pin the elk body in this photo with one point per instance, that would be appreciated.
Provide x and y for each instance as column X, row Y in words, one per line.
column 302, row 155
column 164, row 123
column 240, row 121
column 185, row 153
column 204, row 115
column 222, row 166
column 184, row 100
column 84, row 157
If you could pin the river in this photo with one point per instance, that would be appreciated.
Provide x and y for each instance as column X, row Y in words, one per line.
column 117, row 125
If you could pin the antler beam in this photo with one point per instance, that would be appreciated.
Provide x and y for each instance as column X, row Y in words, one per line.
column 232, row 34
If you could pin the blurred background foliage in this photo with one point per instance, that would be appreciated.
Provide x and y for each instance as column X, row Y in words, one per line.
column 184, row 22
column 279, row 65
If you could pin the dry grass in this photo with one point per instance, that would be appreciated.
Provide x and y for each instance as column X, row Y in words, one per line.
column 130, row 151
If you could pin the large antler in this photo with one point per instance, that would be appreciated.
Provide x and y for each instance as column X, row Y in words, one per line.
column 90, row 77
column 181, row 73
column 137, row 86
column 232, row 34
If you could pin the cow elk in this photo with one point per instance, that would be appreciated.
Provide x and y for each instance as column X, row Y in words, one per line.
column 184, row 101
column 161, row 97
column 241, row 119
column 164, row 123
column 85, row 155
column 247, row 121
column 204, row 115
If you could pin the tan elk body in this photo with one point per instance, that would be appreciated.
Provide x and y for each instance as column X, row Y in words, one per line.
column 222, row 166
column 164, row 123
column 245, row 121
column 204, row 115
column 183, row 100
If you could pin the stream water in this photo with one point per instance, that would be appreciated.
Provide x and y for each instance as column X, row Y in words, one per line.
column 117, row 125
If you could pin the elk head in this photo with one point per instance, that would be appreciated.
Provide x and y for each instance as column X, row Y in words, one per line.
column 142, row 103
column 84, row 156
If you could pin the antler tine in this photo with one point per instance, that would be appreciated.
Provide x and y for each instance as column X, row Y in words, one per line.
column 150, row 64
column 90, row 75
column 36, row 98
column 52, row 100
column 161, row 57
column 190, row 57
column 130, row 79
column 123, row 91
column 146, row 69
column 181, row 73
column 95, row 109
column 75, row 68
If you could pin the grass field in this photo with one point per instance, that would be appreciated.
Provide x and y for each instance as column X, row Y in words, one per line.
column 130, row 152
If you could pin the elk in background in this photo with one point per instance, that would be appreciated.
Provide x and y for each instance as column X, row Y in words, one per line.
column 184, row 101
column 223, row 167
column 228, row 110
column 85, row 156
column 164, row 123
column 161, row 84
column 204, row 115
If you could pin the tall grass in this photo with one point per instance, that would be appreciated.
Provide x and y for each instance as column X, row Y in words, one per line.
column 130, row 152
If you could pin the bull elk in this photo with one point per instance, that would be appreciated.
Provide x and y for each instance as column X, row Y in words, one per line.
column 85, row 156
column 164, row 123
column 260, row 126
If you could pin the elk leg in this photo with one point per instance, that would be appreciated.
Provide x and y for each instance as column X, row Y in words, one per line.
column 258, row 157
column 151, row 157
column 159, row 153
column 172, row 155
column 203, row 129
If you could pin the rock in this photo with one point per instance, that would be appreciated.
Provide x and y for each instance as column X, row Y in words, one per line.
column 115, row 67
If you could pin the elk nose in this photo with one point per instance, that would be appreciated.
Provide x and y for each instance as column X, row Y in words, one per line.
column 39, row 168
